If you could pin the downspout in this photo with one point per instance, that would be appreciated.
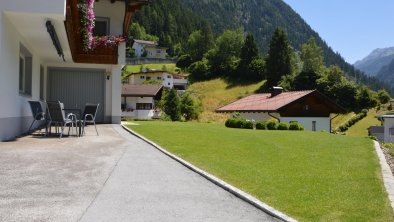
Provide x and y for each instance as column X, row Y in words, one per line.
column 332, row 119
column 269, row 114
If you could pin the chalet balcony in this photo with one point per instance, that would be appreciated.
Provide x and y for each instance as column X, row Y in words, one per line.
column 100, row 54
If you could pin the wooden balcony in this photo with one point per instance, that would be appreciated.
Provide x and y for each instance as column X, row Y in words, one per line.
column 101, row 54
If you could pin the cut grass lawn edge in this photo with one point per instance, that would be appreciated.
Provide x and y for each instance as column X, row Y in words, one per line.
column 233, row 190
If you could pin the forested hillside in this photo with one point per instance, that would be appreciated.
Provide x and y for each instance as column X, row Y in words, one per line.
column 174, row 20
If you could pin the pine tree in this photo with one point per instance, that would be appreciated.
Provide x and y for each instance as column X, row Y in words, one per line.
column 249, row 53
column 278, row 62
column 171, row 105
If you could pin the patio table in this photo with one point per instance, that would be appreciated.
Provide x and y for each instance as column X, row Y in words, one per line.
column 79, row 120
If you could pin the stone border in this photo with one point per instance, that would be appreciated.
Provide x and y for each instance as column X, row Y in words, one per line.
column 233, row 190
column 387, row 175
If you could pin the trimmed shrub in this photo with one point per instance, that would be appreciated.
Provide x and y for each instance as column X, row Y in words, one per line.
column 294, row 126
column 301, row 127
column 282, row 126
column 271, row 125
column 260, row 125
column 247, row 124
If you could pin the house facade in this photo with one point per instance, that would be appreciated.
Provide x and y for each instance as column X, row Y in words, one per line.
column 149, row 49
column 168, row 79
column 139, row 100
column 42, row 58
column 310, row 109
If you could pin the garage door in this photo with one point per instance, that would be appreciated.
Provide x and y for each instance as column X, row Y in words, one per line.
column 76, row 87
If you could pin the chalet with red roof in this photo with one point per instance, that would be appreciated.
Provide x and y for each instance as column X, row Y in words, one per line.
column 309, row 108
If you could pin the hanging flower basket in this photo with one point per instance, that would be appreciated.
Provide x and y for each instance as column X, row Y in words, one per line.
column 87, row 18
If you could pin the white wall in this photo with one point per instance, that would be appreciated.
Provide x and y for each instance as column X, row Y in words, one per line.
column 322, row 123
column 140, row 114
column 138, row 48
column 168, row 80
column 36, row 6
column 114, row 11
column 14, row 106
column 388, row 124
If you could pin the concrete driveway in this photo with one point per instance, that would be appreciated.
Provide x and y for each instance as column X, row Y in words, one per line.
column 111, row 177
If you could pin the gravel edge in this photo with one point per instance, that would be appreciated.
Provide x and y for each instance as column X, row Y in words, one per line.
column 387, row 173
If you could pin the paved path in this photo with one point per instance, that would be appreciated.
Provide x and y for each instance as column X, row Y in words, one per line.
column 146, row 185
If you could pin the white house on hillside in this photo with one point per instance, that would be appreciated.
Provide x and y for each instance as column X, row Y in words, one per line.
column 138, row 100
column 36, row 35
column 152, row 49
column 309, row 108
column 168, row 79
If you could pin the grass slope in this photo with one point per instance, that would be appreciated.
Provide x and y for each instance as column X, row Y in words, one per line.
column 136, row 68
column 311, row 176
column 361, row 127
column 216, row 93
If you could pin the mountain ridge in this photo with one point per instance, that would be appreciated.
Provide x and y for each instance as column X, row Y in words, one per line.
column 375, row 61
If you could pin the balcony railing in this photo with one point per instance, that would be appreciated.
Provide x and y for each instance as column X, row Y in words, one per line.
column 101, row 54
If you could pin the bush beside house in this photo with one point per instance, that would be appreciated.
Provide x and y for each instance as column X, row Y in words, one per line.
column 242, row 123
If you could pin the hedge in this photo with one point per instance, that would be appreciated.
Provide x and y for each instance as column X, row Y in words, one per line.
column 242, row 123
column 344, row 127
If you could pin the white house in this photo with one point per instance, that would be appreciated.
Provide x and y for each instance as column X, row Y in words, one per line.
column 384, row 133
column 168, row 79
column 34, row 38
column 152, row 49
column 138, row 100
column 310, row 108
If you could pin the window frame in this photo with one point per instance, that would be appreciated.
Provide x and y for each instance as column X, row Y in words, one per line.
column 144, row 106
column 25, row 71
column 107, row 20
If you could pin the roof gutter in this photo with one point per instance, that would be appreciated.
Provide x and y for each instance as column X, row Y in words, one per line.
column 273, row 116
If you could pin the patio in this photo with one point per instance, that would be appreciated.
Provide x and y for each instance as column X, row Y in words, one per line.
column 52, row 179
column 111, row 177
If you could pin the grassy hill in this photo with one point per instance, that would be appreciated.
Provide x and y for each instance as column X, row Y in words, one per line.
column 216, row 93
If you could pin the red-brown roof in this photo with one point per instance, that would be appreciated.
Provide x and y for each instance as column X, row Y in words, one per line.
column 141, row 89
column 264, row 102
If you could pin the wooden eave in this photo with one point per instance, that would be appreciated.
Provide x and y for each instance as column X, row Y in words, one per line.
column 102, row 54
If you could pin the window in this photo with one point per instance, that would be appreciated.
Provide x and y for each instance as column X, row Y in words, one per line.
column 306, row 107
column 158, row 78
column 41, row 83
column 144, row 106
column 101, row 26
column 158, row 51
column 168, row 76
column 25, row 71
column 313, row 125
column 168, row 83
column 142, row 77
column 148, row 78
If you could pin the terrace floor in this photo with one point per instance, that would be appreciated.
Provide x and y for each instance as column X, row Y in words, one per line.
column 111, row 177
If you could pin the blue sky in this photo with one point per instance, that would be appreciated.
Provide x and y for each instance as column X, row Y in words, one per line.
column 351, row 27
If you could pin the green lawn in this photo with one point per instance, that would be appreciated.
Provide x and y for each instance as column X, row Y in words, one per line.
column 136, row 68
column 311, row 176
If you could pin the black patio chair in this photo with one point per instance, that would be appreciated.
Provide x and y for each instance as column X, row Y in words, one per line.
column 57, row 116
column 37, row 112
column 89, row 115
